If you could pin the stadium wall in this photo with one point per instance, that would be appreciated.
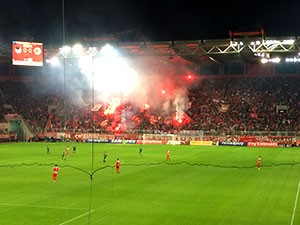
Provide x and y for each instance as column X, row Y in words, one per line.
column 225, row 140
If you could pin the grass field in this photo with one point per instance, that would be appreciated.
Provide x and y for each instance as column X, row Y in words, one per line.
column 209, row 185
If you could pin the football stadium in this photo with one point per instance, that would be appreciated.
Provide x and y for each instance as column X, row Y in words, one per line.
column 142, row 133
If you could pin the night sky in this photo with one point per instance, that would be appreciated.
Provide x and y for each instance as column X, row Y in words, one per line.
column 141, row 20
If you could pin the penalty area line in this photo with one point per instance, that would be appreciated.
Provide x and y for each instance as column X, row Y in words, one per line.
column 77, row 217
column 40, row 206
column 295, row 204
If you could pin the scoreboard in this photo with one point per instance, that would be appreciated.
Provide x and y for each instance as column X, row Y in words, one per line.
column 27, row 53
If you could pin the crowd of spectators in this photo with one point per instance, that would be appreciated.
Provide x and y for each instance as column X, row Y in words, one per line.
column 247, row 104
column 216, row 104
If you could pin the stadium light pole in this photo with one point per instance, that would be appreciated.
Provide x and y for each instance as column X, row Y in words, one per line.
column 63, row 22
column 64, row 70
column 65, row 51
column 92, row 52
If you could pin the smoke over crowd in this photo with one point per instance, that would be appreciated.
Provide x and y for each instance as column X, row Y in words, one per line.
column 122, row 87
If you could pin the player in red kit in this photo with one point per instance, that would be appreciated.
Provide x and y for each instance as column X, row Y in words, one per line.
column 55, row 172
column 118, row 165
column 258, row 162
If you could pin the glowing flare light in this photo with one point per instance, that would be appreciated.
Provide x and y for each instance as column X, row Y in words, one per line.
column 110, row 73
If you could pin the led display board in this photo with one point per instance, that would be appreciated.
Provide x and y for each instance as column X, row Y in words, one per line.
column 27, row 53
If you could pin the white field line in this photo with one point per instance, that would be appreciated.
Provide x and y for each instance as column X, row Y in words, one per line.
column 77, row 217
column 38, row 206
column 295, row 204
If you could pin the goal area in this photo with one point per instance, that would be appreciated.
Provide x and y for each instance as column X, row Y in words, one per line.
column 171, row 139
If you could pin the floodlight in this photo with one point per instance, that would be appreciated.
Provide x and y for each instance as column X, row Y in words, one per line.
column 77, row 49
column 108, row 51
column 54, row 61
column 275, row 60
column 65, row 50
column 92, row 51
column 264, row 60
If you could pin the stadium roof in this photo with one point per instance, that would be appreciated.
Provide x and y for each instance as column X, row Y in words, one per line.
column 242, row 48
column 237, row 50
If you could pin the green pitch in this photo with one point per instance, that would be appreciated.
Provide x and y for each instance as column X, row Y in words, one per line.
column 200, row 185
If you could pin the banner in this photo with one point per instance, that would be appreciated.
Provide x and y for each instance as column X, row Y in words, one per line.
column 228, row 143
column 201, row 143
column 262, row 144
column 119, row 141
column 156, row 142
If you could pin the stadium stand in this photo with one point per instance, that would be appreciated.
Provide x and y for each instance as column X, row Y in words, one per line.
column 227, row 105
